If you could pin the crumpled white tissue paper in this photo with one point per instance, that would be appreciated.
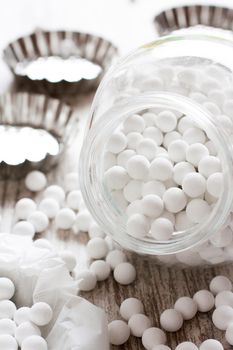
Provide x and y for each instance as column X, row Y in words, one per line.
column 40, row 275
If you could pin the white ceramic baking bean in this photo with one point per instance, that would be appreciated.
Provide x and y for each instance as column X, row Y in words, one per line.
column 222, row 317
column 138, row 167
column 7, row 288
column 147, row 148
column 162, row 229
column 83, row 220
column 166, row 121
column 35, row 342
column 184, row 124
column 116, row 177
column 211, row 344
column 24, row 228
column 24, row 207
column 187, row 307
column 215, row 184
column 170, row 137
column 196, row 152
column 25, row 330
column 101, row 269
column 171, row 320
column 123, row 157
column 138, row 225
column 119, row 332
column 124, row 273
column 97, row 248
column 40, row 314
column 39, row 220
column 115, row 257
column 65, row 219
column 153, row 187
column 86, row 280
column 49, row 207
column 133, row 139
column 174, row 199
column 153, row 336
column 134, row 123
column 182, row 221
column 133, row 190
column 138, row 323
column 197, row 210
column 117, row 142
column 161, row 169
column 154, row 134
column 149, row 118
column 204, row 300
column 21, row 315
column 177, row 150
column 152, row 205
column 130, row 307
column 56, row 192
column 194, row 185
column 35, row 181
column 224, row 298
column 194, row 135
column 209, row 165
column 8, row 342
column 7, row 326
column 7, row 309
column 180, row 170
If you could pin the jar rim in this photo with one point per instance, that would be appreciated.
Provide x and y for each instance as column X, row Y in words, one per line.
column 88, row 175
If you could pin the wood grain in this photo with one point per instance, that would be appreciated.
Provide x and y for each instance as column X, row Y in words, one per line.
column 157, row 287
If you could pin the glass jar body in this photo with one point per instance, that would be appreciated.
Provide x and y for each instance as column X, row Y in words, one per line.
column 147, row 80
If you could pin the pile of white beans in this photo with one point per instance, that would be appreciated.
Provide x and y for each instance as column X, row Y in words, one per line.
column 20, row 328
column 185, row 308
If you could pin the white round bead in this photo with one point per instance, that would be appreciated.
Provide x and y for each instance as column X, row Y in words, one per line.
column 24, row 228
column 149, row 118
column 197, row 210
column 177, row 150
column 194, row 185
column 39, row 220
column 133, row 190
column 224, row 298
column 35, row 181
column 219, row 284
column 123, row 157
column 74, row 199
column 21, row 315
column 40, row 314
column 34, row 342
column 71, row 182
column 184, row 124
column 229, row 334
column 153, row 336
column 171, row 320
column 117, row 142
column 187, row 345
column 101, row 269
column 96, row 231
column 161, row 169
column 116, row 177
column 209, row 165
column 83, row 220
column 174, row 199
column 162, row 229
column 204, row 300
column 118, row 332
column 56, row 192
column 166, row 121
column 7, row 288
column 124, row 273
column 130, row 307
column 196, row 152
column 25, row 330
column 134, row 123
column 8, row 342
column 115, row 257
column 187, row 307
column 65, row 219
column 138, row 225
column 97, row 248
column 147, row 148
column 24, row 207
column 211, row 344
column 154, row 134
column 133, row 139
column 153, row 187
column 7, row 309
column 215, row 184
column 194, row 135
column 138, row 323
column 182, row 221
column 69, row 259
column 7, row 326
column 170, row 137
column 138, row 167
column 180, row 170
column 86, row 280
column 222, row 317
column 49, row 207
column 152, row 205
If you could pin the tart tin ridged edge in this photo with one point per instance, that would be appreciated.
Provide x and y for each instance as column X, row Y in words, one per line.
column 189, row 16
column 49, row 43
column 37, row 112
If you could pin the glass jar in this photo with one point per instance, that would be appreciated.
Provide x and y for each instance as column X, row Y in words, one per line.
column 191, row 76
